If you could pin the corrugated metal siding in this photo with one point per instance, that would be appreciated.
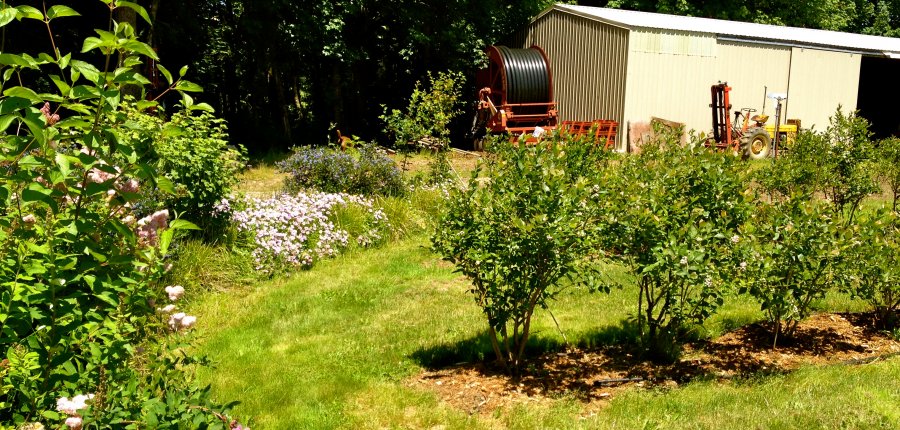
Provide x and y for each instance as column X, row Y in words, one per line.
column 669, row 75
column 589, row 60
column 819, row 82
column 752, row 70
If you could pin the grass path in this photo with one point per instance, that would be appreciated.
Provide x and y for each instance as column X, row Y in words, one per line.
column 332, row 347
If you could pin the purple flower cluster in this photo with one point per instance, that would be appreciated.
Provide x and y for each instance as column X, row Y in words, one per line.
column 367, row 173
column 297, row 230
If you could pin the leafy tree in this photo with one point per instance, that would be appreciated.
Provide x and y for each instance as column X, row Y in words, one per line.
column 519, row 231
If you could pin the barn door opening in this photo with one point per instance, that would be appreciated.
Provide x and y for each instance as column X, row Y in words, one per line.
column 879, row 94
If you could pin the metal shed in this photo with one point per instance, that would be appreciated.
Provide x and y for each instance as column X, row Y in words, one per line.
column 629, row 66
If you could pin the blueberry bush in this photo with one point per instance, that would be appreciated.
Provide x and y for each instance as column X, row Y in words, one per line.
column 671, row 215
column 519, row 229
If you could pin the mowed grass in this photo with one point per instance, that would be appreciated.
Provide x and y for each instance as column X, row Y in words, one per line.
column 335, row 347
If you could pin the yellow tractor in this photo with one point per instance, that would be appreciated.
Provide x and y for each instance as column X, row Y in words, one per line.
column 756, row 140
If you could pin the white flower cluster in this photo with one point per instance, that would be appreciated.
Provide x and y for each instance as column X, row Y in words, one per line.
column 178, row 320
column 298, row 230
column 71, row 408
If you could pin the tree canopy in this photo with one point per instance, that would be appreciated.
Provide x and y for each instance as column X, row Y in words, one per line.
column 282, row 71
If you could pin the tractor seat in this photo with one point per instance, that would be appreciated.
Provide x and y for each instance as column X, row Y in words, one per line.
column 760, row 118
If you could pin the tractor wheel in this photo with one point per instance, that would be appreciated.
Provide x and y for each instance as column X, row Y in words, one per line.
column 757, row 144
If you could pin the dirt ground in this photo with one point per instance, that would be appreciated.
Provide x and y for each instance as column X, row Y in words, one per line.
column 597, row 375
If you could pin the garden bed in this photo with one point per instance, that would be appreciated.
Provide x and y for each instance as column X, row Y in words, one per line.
column 596, row 375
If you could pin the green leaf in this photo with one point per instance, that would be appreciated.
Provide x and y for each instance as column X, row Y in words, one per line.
column 63, row 162
column 180, row 224
column 34, row 195
column 165, row 72
column 64, row 88
column 23, row 92
column 13, row 60
column 51, row 415
column 30, row 12
column 64, row 60
column 7, row 15
column 60, row 11
column 203, row 107
column 188, row 86
column 88, row 70
column 183, row 71
column 91, row 43
column 13, row 104
column 137, row 8
column 141, row 48
column 40, row 249
column 85, row 92
column 36, row 128
column 6, row 121
column 165, row 239
column 165, row 185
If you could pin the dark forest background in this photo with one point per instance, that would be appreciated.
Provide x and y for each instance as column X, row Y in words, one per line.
column 282, row 72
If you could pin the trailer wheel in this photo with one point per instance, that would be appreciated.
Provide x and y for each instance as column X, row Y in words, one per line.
column 757, row 144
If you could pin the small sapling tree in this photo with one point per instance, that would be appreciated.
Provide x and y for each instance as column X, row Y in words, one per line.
column 671, row 217
column 424, row 124
column 519, row 230
column 791, row 257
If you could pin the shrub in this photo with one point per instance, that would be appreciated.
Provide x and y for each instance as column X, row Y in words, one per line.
column 835, row 162
column 428, row 113
column 888, row 165
column 80, row 335
column 193, row 152
column 365, row 172
column 519, row 233
column 671, row 215
column 791, row 257
column 297, row 230
column 873, row 269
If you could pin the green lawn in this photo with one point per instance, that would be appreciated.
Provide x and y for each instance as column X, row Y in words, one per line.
column 335, row 346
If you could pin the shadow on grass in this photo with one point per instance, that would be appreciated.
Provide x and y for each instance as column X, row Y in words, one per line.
column 477, row 348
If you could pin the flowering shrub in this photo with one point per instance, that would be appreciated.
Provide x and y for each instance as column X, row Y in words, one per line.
column 791, row 257
column 193, row 153
column 835, row 163
column 367, row 172
column 872, row 271
column 671, row 215
column 296, row 230
column 518, row 235
column 81, row 261
column 888, row 163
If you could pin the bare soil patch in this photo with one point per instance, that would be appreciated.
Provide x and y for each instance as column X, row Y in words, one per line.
column 597, row 375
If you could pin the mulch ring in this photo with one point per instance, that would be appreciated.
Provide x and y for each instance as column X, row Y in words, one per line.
column 597, row 375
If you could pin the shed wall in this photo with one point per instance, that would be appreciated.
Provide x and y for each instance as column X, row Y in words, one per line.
column 669, row 75
column 819, row 82
column 588, row 61
column 752, row 70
